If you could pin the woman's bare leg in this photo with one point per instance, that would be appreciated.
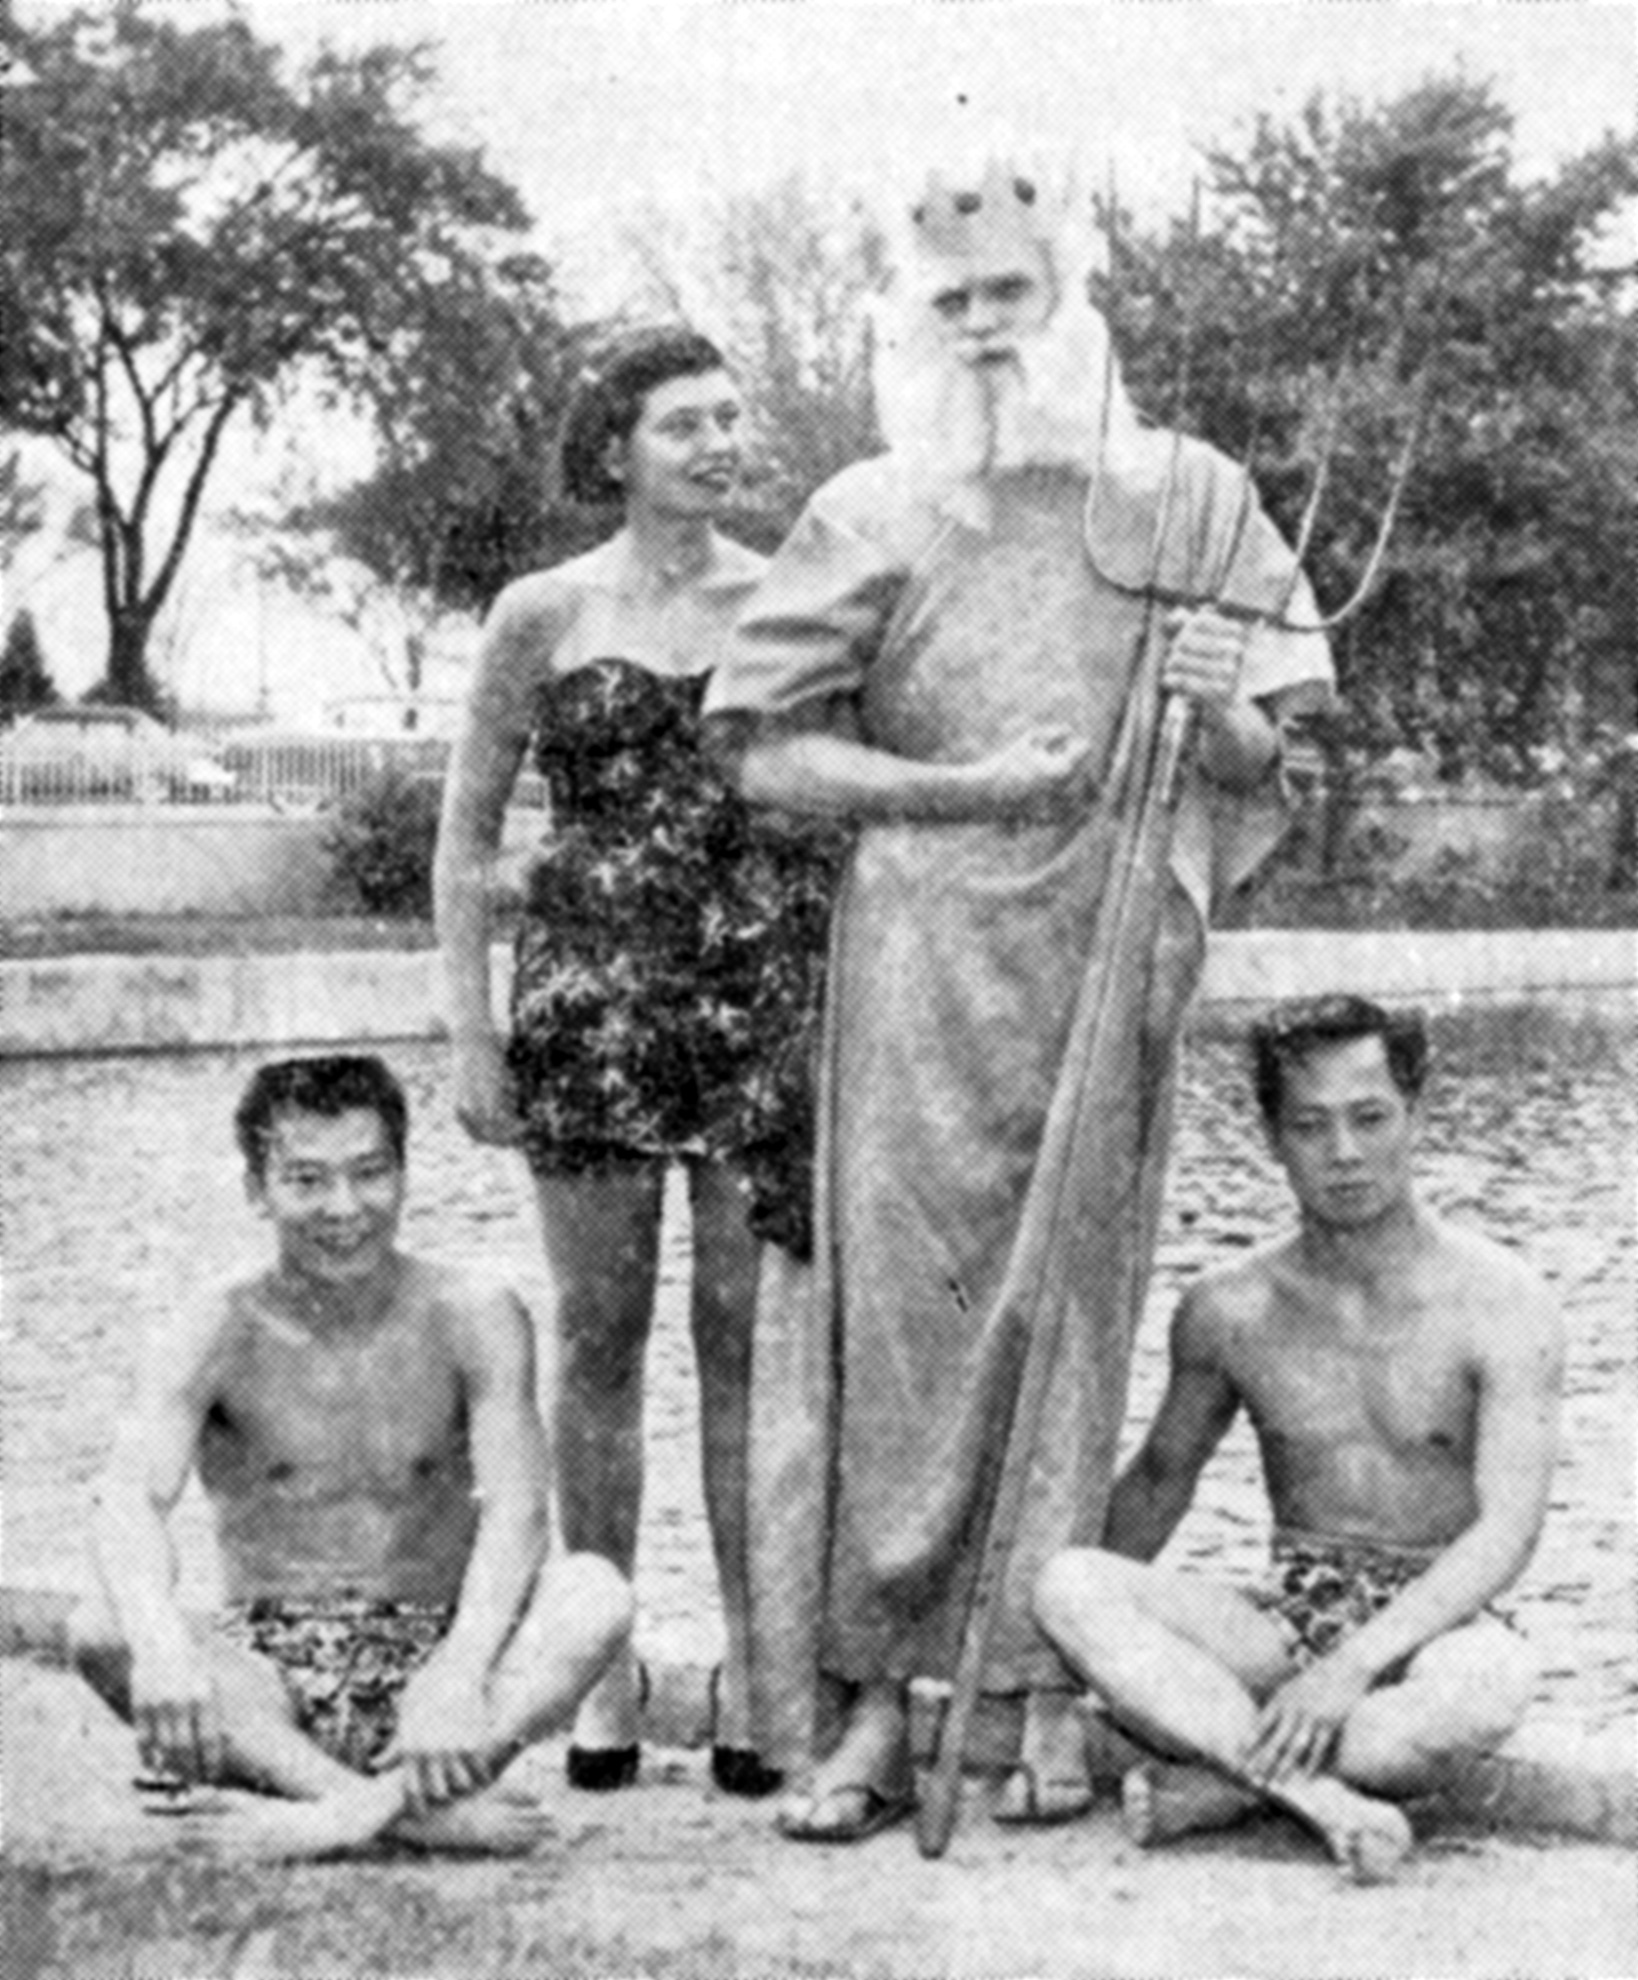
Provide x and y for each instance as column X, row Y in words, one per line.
column 723, row 1311
column 602, row 1232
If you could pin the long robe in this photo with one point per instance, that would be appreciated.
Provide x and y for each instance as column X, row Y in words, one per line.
column 958, row 953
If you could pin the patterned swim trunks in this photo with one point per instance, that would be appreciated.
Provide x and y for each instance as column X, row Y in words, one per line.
column 343, row 1662
column 1324, row 1589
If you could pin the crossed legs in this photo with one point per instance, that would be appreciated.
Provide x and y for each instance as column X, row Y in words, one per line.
column 578, row 1619
column 1184, row 1661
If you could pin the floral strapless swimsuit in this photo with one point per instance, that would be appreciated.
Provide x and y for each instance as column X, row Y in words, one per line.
column 669, row 973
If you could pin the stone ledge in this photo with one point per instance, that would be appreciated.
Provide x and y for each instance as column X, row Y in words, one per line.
column 112, row 1003
column 1552, row 1777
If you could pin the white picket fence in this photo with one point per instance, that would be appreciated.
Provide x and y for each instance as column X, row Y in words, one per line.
column 288, row 772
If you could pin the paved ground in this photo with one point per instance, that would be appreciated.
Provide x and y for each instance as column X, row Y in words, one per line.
column 673, row 1881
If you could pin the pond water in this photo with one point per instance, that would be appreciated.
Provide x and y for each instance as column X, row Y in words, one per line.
column 121, row 1189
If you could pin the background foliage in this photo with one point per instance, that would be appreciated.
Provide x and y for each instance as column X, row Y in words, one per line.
column 187, row 229
column 1388, row 257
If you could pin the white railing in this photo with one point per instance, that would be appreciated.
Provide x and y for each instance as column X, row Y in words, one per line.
column 292, row 771
column 286, row 772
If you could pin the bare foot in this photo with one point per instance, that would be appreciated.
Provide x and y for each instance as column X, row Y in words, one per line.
column 1051, row 1782
column 1368, row 1838
column 272, row 1830
column 496, row 1822
column 1159, row 1802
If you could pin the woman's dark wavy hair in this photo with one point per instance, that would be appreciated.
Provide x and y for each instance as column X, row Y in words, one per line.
column 608, row 399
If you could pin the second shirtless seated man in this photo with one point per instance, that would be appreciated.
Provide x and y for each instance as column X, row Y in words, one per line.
column 1402, row 1379
column 365, row 1426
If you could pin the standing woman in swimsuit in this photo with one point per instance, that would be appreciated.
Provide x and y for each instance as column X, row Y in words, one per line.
column 664, row 973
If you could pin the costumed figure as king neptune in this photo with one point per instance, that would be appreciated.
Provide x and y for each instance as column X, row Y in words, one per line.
column 963, row 648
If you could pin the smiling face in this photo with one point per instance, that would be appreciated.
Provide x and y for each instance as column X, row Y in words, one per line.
column 684, row 455
column 334, row 1191
column 985, row 305
column 1344, row 1132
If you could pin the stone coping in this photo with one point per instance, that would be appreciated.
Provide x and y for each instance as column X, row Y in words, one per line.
column 92, row 1004
column 1552, row 1777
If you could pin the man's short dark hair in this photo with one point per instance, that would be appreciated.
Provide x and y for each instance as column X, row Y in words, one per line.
column 1291, row 1031
column 340, row 1084
column 608, row 401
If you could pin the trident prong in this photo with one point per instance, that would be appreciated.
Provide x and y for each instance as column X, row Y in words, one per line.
column 1399, row 477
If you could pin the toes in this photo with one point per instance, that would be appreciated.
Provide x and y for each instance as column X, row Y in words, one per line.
column 1373, row 1853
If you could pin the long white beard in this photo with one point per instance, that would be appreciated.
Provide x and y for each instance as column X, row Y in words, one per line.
column 1061, row 402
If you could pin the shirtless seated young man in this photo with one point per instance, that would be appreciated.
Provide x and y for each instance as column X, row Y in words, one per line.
column 1402, row 1379
column 365, row 1425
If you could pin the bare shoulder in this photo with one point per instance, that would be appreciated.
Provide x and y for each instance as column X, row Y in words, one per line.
column 533, row 612
column 477, row 1314
column 1236, row 1300
column 1507, row 1305
column 194, row 1339
column 190, row 1353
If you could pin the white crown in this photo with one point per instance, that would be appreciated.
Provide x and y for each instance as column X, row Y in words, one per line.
column 1009, row 211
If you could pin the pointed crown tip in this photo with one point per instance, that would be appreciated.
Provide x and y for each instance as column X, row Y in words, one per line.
column 1009, row 209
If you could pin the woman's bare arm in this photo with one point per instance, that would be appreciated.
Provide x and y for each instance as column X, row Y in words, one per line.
column 499, row 721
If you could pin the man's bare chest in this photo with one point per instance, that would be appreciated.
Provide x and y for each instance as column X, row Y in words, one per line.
column 377, row 1416
column 1400, row 1387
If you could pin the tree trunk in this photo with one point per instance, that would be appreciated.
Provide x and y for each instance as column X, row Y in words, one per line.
column 128, row 680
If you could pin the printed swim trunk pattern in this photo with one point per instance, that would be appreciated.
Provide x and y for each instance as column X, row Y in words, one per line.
column 344, row 1663
column 1323, row 1589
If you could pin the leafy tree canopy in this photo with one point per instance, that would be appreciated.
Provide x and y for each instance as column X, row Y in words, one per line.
column 1363, row 270
column 186, row 226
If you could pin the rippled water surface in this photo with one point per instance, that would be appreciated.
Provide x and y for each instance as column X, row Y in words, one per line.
column 121, row 1188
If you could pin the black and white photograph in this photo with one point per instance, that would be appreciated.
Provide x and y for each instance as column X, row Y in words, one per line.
column 818, row 989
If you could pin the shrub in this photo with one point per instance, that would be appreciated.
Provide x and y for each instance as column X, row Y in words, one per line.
column 382, row 842
column 1556, row 870
column 25, row 683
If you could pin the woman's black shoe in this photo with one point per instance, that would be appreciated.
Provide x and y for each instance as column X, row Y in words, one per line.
column 737, row 1770
column 599, row 1769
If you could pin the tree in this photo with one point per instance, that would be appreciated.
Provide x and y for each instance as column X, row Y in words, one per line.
column 462, row 498
column 187, row 229
column 1379, row 246
column 24, row 682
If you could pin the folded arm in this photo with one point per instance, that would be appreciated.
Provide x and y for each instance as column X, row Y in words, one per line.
column 812, row 760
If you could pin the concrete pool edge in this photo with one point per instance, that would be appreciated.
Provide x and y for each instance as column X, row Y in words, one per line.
column 92, row 1004
column 1554, row 1776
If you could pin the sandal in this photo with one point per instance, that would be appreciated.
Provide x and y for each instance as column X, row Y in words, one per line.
column 1031, row 1800
column 602, row 1769
column 877, row 1809
column 739, row 1770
